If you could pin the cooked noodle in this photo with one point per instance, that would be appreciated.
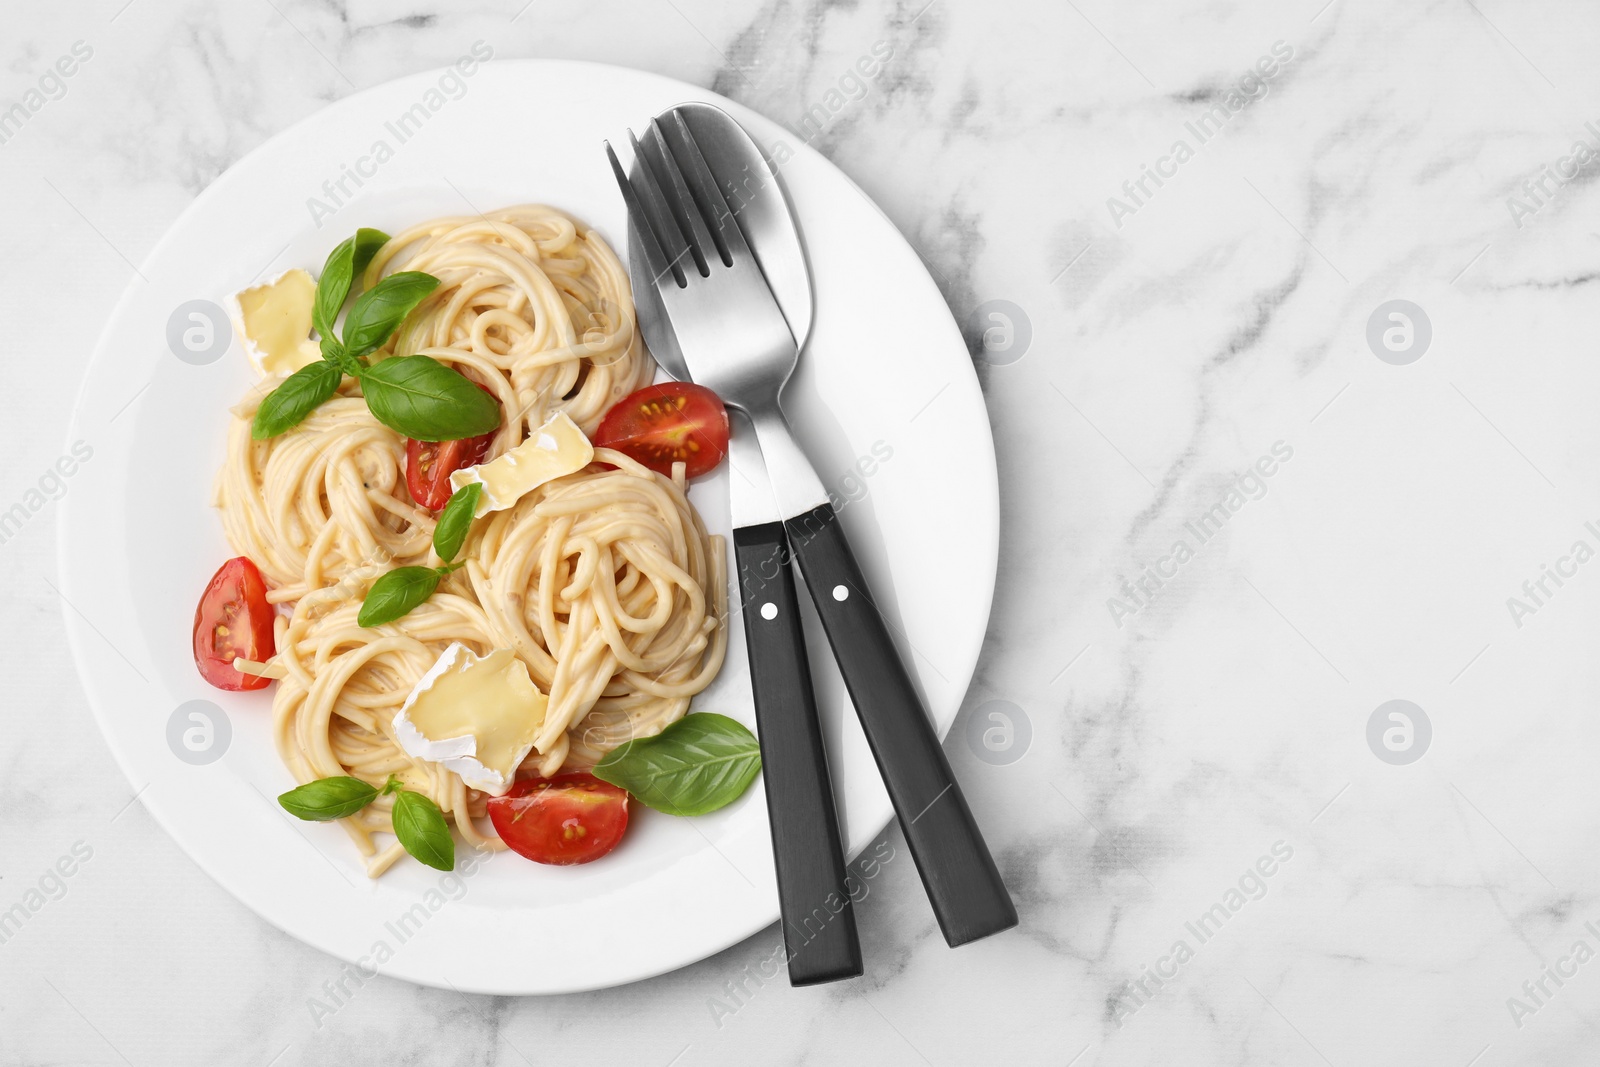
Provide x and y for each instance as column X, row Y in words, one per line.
column 605, row 582
column 610, row 590
column 323, row 503
column 530, row 302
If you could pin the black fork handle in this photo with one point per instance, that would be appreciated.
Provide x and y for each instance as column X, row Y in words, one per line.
column 969, row 899
column 819, row 922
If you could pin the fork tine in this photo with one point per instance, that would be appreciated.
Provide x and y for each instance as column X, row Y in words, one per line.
column 658, row 212
column 655, row 258
column 688, row 211
column 710, row 194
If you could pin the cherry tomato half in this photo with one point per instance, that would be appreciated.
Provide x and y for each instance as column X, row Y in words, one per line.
column 233, row 620
column 429, row 464
column 571, row 818
column 667, row 423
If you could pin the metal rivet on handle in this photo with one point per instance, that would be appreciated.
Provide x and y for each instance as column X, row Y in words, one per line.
column 769, row 611
column 840, row 592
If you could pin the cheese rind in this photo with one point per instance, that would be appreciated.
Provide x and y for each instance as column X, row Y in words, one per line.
column 554, row 450
column 273, row 321
column 474, row 715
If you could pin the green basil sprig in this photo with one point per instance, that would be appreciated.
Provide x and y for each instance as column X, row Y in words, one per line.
column 455, row 521
column 398, row 592
column 395, row 594
column 333, row 351
column 418, row 822
column 698, row 764
column 413, row 395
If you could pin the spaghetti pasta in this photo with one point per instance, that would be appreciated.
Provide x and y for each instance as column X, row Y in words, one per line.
column 604, row 582
column 530, row 302
column 609, row 588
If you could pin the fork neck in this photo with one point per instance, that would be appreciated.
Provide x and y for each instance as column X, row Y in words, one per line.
column 795, row 484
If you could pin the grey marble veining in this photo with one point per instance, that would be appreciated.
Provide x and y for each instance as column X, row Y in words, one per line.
column 1213, row 862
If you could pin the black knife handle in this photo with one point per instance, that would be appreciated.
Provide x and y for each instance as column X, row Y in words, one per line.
column 819, row 922
column 968, row 897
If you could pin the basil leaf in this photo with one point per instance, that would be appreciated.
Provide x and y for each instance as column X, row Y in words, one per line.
column 420, row 826
column 346, row 261
column 368, row 241
column 378, row 312
column 332, row 287
column 421, row 398
column 300, row 394
column 328, row 798
column 455, row 521
column 698, row 764
column 396, row 593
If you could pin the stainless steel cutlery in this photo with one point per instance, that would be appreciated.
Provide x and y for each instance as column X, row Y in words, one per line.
column 724, row 300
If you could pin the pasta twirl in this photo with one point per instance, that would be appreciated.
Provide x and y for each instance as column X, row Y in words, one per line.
column 609, row 588
column 533, row 302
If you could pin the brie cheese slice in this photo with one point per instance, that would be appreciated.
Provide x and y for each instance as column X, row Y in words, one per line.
column 556, row 449
column 474, row 715
column 273, row 321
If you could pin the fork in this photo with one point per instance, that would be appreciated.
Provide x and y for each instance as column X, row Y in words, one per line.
column 731, row 336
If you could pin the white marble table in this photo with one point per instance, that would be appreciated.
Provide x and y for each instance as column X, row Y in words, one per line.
column 1223, row 851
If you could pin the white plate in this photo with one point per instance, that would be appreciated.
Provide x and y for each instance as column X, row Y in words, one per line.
column 886, row 367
